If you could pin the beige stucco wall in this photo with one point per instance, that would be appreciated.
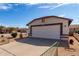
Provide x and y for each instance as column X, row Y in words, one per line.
column 53, row 20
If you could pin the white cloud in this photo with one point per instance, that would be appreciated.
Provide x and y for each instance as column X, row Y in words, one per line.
column 59, row 5
column 16, row 4
column 62, row 15
column 44, row 6
column 51, row 6
column 5, row 6
column 47, row 5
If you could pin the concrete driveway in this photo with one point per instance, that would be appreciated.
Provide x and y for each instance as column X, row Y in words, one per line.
column 26, row 47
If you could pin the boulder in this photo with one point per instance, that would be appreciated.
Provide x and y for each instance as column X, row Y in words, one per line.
column 3, row 40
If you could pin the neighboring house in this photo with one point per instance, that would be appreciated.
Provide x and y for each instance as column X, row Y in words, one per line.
column 49, row 27
column 74, row 27
column 3, row 31
column 9, row 30
column 22, row 30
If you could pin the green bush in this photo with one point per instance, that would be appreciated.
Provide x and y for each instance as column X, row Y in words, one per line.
column 14, row 34
column 77, row 31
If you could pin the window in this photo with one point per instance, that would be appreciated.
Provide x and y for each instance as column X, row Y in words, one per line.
column 43, row 20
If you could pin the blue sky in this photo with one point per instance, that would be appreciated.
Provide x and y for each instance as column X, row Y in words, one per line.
column 19, row 14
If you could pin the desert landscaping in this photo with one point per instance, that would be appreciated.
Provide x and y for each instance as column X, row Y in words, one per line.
column 21, row 45
column 10, row 34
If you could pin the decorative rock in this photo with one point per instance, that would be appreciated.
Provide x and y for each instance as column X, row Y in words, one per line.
column 3, row 40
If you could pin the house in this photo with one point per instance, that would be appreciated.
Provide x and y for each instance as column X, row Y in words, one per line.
column 74, row 27
column 49, row 27
column 22, row 30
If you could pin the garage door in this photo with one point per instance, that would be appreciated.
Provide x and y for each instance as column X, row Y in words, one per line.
column 52, row 31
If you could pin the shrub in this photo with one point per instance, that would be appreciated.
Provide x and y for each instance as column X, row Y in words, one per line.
column 77, row 31
column 71, row 33
column 2, row 35
column 14, row 34
column 3, row 41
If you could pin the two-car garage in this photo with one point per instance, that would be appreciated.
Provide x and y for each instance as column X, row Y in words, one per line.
column 47, row 31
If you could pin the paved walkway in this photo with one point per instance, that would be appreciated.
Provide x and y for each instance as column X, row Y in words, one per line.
column 72, row 51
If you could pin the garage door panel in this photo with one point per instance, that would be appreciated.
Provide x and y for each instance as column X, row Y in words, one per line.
column 52, row 32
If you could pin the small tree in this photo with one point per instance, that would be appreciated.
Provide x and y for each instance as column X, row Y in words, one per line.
column 2, row 27
column 14, row 34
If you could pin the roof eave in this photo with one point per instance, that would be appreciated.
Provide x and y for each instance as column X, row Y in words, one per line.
column 70, row 20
